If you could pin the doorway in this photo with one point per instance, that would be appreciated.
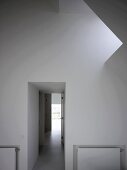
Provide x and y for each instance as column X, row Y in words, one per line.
column 57, row 118
column 51, row 126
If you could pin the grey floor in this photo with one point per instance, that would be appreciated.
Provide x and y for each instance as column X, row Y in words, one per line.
column 51, row 154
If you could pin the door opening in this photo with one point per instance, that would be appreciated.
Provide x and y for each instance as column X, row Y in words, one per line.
column 51, row 125
column 56, row 116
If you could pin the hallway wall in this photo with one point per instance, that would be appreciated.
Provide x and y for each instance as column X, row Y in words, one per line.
column 47, row 112
column 33, row 125
column 41, row 118
column 44, row 46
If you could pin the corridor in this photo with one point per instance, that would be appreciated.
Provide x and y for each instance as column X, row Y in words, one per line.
column 51, row 155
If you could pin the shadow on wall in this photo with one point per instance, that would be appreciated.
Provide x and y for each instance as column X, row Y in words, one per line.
column 117, row 63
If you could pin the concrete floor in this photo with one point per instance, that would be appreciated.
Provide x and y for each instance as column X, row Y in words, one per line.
column 51, row 154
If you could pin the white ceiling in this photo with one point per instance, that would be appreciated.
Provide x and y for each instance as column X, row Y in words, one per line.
column 50, row 87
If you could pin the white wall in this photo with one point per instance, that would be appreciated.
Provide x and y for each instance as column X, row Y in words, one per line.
column 55, row 4
column 38, row 46
column 33, row 125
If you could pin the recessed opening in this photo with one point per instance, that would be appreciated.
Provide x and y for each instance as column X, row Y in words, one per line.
column 46, row 111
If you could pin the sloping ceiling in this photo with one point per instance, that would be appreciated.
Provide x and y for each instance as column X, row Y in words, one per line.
column 114, row 14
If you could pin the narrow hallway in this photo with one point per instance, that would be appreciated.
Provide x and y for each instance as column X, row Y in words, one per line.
column 51, row 155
